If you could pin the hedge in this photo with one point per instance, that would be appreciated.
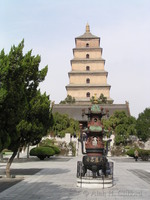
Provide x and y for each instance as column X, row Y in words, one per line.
column 42, row 152
column 130, row 152
column 49, row 143
column 143, row 153
column 56, row 149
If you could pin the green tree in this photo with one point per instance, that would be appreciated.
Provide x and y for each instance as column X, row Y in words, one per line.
column 68, row 100
column 143, row 125
column 101, row 99
column 25, row 113
column 63, row 124
column 122, row 125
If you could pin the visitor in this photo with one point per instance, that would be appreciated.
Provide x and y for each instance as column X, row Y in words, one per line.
column 136, row 155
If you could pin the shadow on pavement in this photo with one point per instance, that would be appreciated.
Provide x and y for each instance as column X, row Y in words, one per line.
column 29, row 171
column 44, row 191
column 35, row 159
column 144, row 175
column 6, row 183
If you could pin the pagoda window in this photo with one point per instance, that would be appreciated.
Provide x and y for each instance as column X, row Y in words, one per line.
column 87, row 56
column 87, row 80
column 87, row 44
column 87, row 68
column 87, row 94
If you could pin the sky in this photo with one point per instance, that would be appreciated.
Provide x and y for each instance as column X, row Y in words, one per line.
column 49, row 28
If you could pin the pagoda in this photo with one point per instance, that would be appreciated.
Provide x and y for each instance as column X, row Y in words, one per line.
column 87, row 76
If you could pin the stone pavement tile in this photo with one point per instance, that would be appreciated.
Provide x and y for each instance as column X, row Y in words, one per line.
column 57, row 181
column 6, row 183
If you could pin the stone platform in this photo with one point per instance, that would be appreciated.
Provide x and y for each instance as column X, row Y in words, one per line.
column 86, row 182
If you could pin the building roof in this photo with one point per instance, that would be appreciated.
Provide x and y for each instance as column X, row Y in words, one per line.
column 87, row 34
column 75, row 110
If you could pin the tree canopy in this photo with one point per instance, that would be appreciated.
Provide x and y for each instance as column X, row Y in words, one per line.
column 68, row 100
column 122, row 125
column 63, row 124
column 101, row 99
column 25, row 113
column 143, row 125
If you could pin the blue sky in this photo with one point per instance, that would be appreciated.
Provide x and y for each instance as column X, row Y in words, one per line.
column 49, row 27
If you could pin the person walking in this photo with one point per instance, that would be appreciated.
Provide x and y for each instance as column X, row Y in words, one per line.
column 136, row 155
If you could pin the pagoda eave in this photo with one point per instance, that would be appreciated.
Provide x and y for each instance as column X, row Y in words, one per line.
column 85, row 49
column 87, row 36
column 88, row 72
column 87, row 60
column 86, row 86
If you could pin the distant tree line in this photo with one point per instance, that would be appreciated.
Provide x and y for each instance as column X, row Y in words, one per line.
column 124, row 126
column 64, row 124
column 101, row 100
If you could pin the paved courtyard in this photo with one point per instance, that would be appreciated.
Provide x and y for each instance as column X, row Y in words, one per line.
column 55, row 179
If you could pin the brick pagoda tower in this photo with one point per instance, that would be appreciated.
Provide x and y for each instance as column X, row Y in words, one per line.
column 88, row 76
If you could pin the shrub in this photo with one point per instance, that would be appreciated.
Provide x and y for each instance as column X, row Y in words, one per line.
column 56, row 149
column 127, row 147
column 144, row 154
column 130, row 152
column 7, row 152
column 50, row 143
column 42, row 152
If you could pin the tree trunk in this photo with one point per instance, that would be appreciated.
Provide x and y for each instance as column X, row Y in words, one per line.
column 1, row 155
column 9, row 164
column 18, row 154
column 28, row 150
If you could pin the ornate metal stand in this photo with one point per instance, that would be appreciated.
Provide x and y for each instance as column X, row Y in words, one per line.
column 94, row 170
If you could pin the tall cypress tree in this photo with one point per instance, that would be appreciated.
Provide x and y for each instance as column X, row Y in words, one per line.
column 25, row 113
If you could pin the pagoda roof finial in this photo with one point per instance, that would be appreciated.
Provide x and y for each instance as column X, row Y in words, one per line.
column 87, row 28
column 87, row 34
